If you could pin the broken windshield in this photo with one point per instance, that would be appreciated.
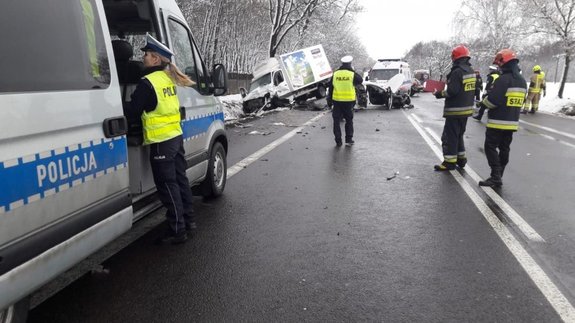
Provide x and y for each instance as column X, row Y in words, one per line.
column 375, row 75
column 264, row 80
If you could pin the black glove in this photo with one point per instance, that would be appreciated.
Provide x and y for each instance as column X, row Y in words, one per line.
column 438, row 94
column 329, row 103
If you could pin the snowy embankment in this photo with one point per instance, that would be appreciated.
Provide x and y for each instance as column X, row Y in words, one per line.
column 550, row 103
column 553, row 104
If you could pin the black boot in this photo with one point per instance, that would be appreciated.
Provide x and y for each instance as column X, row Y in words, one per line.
column 494, row 180
column 461, row 162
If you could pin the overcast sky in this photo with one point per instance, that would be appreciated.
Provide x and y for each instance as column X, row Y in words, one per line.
column 389, row 28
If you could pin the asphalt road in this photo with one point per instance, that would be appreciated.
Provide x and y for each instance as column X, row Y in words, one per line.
column 311, row 232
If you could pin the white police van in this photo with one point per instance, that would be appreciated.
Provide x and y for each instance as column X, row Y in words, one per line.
column 73, row 172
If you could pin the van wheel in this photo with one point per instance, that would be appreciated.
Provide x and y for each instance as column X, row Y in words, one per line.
column 215, row 182
column 16, row 313
column 321, row 92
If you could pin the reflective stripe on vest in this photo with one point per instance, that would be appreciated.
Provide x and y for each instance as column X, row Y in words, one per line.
column 163, row 123
column 343, row 89
column 502, row 125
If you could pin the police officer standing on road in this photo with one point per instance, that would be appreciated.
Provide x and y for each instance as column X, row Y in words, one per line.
column 491, row 77
column 458, row 107
column 504, row 102
column 342, row 98
column 156, row 102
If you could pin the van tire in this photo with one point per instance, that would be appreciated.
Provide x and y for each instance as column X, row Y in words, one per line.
column 16, row 313
column 321, row 92
column 215, row 181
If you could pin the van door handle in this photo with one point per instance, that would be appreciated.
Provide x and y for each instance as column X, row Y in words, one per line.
column 116, row 126
column 183, row 113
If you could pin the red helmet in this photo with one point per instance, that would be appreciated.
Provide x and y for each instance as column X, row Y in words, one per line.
column 459, row 52
column 504, row 56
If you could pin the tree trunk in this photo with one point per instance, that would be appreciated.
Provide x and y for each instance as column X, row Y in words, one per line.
column 272, row 46
column 565, row 72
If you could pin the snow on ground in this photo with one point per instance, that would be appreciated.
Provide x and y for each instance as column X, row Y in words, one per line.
column 550, row 103
column 553, row 104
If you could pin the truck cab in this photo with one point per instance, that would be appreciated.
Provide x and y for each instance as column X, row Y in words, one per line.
column 74, row 172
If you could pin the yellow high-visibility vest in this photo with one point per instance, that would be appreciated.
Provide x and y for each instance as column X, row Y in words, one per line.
column 343, row 89
column 163, row 123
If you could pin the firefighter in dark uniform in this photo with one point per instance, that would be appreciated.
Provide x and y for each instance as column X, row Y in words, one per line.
column 458, row 107
column 156, row 102
column 491, row 77
column 478, row 85
column 342, row 98
column 504, row 102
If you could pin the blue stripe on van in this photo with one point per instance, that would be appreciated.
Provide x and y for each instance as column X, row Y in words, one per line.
column 31, row 178
column 198, row 126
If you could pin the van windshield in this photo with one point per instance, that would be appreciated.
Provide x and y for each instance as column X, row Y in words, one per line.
column 382, row 75
column 59, row 45
column 264, row 80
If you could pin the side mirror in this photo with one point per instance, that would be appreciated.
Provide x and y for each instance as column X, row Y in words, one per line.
column 243, row 92
column 219, row 79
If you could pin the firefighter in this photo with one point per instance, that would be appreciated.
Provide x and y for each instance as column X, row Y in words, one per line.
column 504, row 102
column 478, row 85
column 491, row 77
column 459, row 103
column 342, row 98
column 155, row 101
column 536, row 87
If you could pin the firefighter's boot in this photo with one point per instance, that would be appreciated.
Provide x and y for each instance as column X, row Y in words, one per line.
column 494, row 180
column 461, row 162
column 445, row 166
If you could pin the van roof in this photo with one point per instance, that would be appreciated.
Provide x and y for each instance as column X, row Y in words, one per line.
column 384, row 64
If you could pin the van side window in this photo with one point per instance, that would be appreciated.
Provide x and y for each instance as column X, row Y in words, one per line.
column 63, row 47
column 184, row 56
column 278, row 78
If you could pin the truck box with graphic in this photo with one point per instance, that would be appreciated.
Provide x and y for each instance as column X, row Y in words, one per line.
column 291, row 77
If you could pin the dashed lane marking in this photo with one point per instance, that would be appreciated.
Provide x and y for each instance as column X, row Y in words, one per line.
column 260, row 153
column 562, row 133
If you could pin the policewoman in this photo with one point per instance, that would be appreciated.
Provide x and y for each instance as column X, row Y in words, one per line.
column 342, row 98
column 459, row 104
column 504, row 103
column 155, row 100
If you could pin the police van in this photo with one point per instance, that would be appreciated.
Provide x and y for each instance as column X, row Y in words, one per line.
column 74, row 174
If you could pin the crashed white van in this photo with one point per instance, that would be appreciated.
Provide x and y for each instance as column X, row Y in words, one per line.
column 74, row 174
column 295, row 76
column 378, row 83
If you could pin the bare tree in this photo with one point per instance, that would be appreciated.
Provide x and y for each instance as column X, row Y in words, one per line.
column 555, row 18
column 433, row 55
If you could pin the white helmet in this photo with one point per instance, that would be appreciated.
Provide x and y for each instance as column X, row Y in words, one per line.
column 347, row 59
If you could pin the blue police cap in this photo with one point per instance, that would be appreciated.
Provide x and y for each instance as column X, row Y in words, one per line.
column 152, row 44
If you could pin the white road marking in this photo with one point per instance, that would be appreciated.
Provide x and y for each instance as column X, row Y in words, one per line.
column 521, row 224
column 416, row 118
column 260, row 153
column 555, row 139
column 553, row 295
column 572, row 136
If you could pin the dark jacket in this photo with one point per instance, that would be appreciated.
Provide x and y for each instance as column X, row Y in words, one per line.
column 357, row 80
column 460, row 93
column 506, row 98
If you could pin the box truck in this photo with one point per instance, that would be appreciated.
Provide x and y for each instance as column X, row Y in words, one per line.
column 293, row 77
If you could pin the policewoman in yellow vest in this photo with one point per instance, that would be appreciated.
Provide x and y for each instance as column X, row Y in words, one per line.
column 504, row 104
column 342, row 98
column 155, row 100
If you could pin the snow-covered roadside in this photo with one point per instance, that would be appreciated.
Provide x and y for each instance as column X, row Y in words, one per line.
column 552, row 104
column 232, row 107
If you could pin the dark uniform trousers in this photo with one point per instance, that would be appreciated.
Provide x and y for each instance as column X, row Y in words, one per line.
column 343, row 110
column 452, row 137
column 169, row 169
column 497, row 139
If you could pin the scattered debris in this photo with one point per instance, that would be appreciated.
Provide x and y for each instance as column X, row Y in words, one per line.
column 264, row 159
column 392, row 177
column 242, row 125
column 278, row 124
column 376, row 129
column 323, row 127
column 325, row 208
